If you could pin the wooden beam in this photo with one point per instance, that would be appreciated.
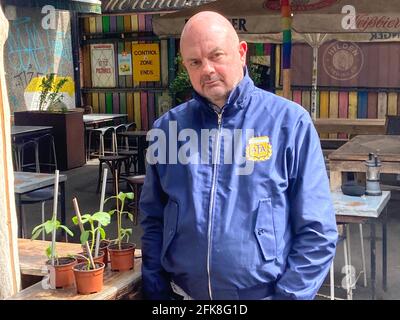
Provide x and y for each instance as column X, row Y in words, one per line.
column 10, row 278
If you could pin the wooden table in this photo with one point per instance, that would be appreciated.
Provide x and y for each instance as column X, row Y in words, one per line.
column 25, row 182
column 350, row 126
column 96, row 118
column 366, row 209
column 351, row 156
column 32, row 261
column 22, row 131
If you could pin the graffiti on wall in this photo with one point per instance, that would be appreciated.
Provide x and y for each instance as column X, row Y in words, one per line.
column 31, row 52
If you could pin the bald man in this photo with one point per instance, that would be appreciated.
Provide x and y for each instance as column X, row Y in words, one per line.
column 261, row 226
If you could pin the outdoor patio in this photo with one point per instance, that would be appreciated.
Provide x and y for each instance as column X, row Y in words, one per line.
column 81, row 183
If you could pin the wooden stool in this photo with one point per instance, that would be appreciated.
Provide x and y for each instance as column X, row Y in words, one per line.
column 135, row 182
column 114, row 164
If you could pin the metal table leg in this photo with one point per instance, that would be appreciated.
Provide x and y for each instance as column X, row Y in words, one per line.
column 384, row 250
column 62, row 200
column 373, row 261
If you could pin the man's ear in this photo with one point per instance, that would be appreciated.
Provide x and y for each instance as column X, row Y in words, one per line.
column 243, row 51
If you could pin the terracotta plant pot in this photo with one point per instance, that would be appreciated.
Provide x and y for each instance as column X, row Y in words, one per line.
column 89, row 281
column 64, row 275
column 100, row 258
column 122, row 259
column 103, row 247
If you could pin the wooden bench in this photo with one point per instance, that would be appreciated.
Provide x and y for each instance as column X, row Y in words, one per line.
column 117, row 285
column 351, row 127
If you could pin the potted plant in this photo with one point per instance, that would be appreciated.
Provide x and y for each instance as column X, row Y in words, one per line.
column 121, row 252
column 61, row 273
column 103, row 219
column 89, row 274
column 181, row 87
column 68, row 127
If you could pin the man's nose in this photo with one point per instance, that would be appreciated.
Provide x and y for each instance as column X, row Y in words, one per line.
column 208, row 67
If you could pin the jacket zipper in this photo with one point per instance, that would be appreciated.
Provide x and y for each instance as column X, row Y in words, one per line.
column 212, row 199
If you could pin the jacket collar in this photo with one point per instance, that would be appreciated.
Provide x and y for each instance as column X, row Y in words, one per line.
column 236, row 98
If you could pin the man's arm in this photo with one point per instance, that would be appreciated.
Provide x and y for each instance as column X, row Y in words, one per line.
column 312, row 216
column 156, row 284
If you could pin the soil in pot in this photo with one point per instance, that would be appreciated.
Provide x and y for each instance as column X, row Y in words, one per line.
column 103, row 247
column 81, row 259
column 63, row 273
column 89, row 281
column 122, row 259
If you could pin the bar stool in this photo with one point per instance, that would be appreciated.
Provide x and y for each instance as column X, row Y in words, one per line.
column 102, row 132
column 52, row 150
column 19, row 151
column 114, row 163
column 136, row 183
column 345, row 238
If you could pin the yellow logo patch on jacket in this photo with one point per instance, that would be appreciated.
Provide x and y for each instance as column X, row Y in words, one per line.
column 258, row 149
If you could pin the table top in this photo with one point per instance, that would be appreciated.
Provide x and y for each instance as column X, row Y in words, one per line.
column 101, row 117
column 358, row 148
column 29, row 181
column 32, row 256
column 32, row 260
column 17, row 130
column 365, row 206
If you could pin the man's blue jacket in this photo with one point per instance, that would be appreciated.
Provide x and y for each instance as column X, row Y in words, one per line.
column 218, row 234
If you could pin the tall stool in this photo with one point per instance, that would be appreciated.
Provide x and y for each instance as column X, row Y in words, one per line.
column 49, row 138
column 136, row 183
column 19, row 151
column 102, row 132
column 114, row 163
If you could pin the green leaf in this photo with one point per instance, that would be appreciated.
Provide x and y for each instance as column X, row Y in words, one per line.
column 49, row 226
column 36, row 233
column 111, row 212
column 85, row 236
column 48, row 252
column 130, row 195
column 102, row 233
column 102, row 217
column 67, row 230
column 130, row 216
column 121, row 196
column 75, row 220
column 40, row 226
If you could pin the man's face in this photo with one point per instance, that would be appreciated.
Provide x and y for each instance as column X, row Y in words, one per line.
column 214, row 62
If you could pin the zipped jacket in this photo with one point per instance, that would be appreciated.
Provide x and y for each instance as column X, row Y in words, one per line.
column 268, row 232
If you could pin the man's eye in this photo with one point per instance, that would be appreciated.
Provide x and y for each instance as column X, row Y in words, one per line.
column 194, row 63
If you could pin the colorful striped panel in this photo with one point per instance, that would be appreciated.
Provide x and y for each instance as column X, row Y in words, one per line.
column 324, row 108
column 343, row 109
column 382, row 105
column 352, row 105
column 362, row 106
column 113, row 23
column 92, row 25
column 372, row 105
column 115, row 103
column 143, row 110
column 306, row 100
column 102, row 102
column 106, row 24
column 392, row 104
column 122, row 102
column 151, row 109
column 277, row 66
column 120, row 24
column 333, row 109
column 95, row 102
column 136, row 103
column 99, row 24
column 127, row 24
column 297, row 96
column 129, row 107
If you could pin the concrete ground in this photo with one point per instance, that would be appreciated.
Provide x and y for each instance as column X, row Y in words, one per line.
column 82, row 184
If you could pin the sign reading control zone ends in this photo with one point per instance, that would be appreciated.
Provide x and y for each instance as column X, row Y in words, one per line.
column 146, row 62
